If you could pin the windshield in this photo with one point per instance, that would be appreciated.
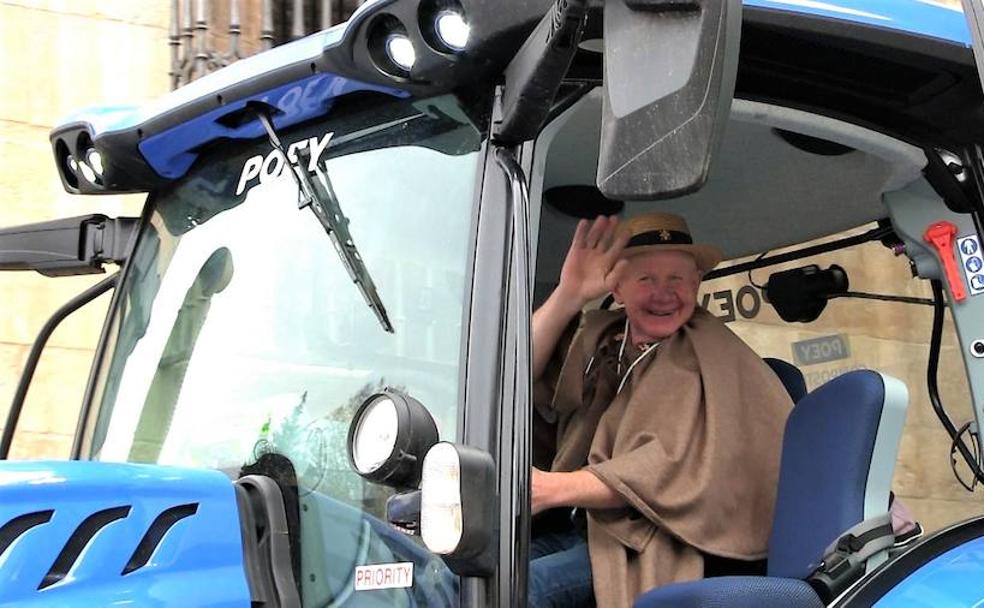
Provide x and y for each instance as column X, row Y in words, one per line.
column 241, row 334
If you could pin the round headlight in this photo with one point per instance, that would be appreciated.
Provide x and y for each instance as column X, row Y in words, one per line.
column 452, row 29
column 88, row 173
column 94, row 159
column 388, row 438
column 400, row 50
column 375, row 435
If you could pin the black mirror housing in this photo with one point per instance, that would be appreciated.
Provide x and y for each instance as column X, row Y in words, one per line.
column 669, row 74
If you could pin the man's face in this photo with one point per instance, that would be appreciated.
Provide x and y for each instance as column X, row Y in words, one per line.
column 659, row 292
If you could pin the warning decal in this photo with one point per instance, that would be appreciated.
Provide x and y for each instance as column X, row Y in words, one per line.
column 972, row 261
column 384, row 576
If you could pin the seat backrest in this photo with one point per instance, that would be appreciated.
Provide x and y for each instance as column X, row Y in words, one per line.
column 791, row 377
column 838, row 456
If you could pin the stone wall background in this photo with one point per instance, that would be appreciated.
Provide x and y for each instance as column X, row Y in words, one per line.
column 57, row 56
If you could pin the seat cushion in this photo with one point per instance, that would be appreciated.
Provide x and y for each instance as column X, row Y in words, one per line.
column 733, row 592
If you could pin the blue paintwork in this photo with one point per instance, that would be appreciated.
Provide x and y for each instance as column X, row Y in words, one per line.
column 952, row 580
column 199, row 561
column 171, row 153
column 106, row 119
column 919, row 17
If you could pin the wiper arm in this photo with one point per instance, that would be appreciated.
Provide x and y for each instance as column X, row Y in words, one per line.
column 320, row 197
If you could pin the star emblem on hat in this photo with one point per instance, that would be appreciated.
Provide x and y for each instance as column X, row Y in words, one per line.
column 664, row 235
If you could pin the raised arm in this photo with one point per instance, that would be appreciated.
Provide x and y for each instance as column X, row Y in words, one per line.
column 584, row 277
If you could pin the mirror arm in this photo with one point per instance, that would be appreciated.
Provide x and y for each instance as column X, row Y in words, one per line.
column 70, row 246
column 13, row 415
column 535, row 73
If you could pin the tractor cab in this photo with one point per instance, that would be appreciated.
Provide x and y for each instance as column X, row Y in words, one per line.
column 320, row 329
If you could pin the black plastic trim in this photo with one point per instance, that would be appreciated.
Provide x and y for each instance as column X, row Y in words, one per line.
column 534, row 75
column 79, row 540
column 517, row 409
column 266, row 543
column 13, row 529
column 69, row 246
column 152, row 538
column 483, row 355
column 839, row 69
column 98, row 358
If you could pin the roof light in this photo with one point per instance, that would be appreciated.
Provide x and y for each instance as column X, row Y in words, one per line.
column 375, row 435
column 87, row 173
column 94, row 159
column 400, row 50
column 388, row 437
column 453, row 30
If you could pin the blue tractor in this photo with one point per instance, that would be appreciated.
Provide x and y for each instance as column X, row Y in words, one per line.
column 313, row 386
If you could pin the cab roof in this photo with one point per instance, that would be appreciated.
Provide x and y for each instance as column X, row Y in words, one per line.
column 903, row 67
column 923, row 18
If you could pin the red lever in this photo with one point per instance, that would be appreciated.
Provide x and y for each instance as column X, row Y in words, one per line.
column 942, row 236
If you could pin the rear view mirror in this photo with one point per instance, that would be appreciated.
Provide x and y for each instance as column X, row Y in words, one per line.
column 669, row 78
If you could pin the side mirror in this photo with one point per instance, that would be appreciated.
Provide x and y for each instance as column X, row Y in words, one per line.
column 669, row 75
column 71, row 246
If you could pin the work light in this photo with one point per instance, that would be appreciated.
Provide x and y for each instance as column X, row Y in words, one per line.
column 452, row 29
column 388, row 438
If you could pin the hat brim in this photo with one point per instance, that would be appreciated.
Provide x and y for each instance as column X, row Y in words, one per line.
column 707, row 256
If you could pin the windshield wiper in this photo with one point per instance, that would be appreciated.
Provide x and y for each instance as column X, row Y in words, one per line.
column 320, row 197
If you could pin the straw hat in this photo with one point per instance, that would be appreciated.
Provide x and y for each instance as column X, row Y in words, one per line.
column 667, row 232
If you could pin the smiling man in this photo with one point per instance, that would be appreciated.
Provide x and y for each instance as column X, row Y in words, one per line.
column 667, row 427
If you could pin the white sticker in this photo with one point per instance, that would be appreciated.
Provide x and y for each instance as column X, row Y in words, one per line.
column 972, row 260
column 384, row 576
column 260, row 169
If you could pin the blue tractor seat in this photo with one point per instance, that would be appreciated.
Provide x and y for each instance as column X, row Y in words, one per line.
column 838, row 457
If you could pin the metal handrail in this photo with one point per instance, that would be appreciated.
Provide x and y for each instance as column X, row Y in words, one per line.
column 17, row 405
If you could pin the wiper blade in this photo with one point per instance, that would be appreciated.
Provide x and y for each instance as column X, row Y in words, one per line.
column 319, row 195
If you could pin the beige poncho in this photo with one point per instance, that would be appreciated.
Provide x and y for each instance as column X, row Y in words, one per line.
column 692, row 443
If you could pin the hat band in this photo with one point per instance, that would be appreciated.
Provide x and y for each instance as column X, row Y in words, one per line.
column 660, row 237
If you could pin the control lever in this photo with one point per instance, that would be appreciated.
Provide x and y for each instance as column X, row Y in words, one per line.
column 942, row 235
